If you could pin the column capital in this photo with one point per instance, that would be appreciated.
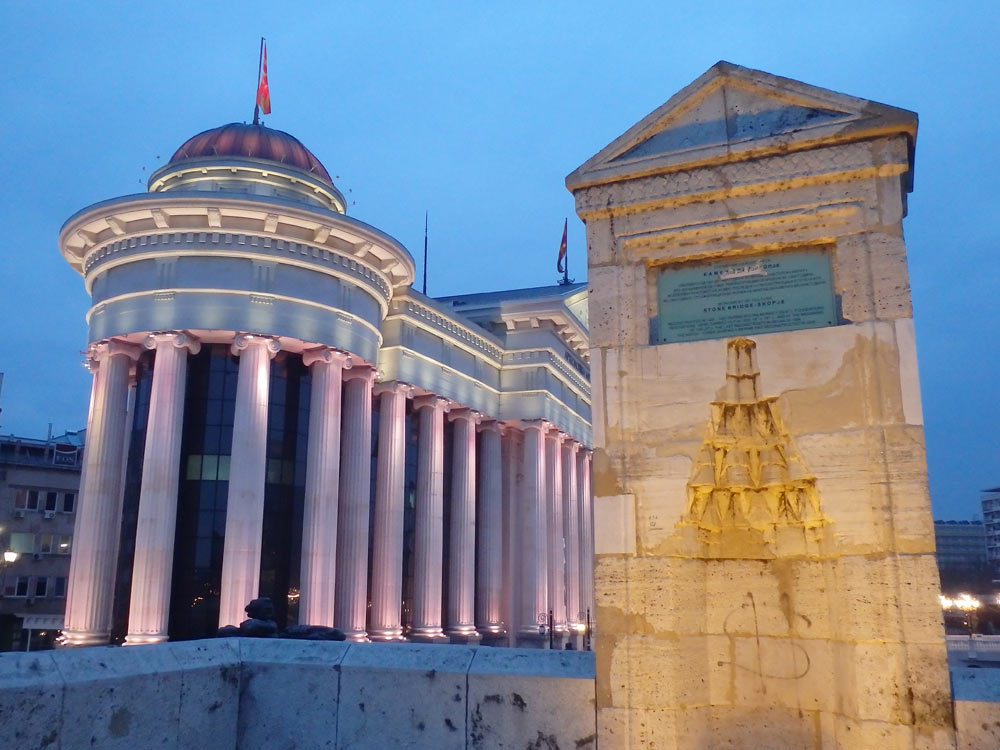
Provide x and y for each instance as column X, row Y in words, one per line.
column 556, row 435
column 491, row 425
column 572, row 444
column 242, row 341
column 328, row 355
column 395, row 386
column 542, row 425
column 469, row 415
column 101, row 350
column 180, row 340
column 364, row 372
column 432, row 400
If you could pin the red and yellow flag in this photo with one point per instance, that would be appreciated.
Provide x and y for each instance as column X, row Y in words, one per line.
column 561, row 260
column 263, row 92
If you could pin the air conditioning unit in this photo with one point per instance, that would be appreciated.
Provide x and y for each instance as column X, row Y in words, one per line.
column 18, row 513
column 50, row 514
column 37, row 555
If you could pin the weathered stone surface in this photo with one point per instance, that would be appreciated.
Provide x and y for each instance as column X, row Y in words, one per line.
column 31, row 700
column 211, row 679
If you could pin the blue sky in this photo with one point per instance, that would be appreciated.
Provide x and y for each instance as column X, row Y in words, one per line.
column 476, row 112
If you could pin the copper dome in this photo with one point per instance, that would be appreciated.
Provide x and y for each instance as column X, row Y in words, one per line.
column 255, row 142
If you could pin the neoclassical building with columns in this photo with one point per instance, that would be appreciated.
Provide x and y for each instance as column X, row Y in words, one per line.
column 276, row 412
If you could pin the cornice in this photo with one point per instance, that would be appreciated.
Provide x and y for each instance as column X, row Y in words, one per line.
column 408, row 308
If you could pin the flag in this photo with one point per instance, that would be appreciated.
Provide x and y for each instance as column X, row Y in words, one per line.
column 263, row 92
column 561, row 260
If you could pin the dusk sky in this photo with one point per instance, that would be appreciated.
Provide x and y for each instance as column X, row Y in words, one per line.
column 475, row 113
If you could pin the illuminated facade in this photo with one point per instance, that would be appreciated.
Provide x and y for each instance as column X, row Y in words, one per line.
column 276, row 412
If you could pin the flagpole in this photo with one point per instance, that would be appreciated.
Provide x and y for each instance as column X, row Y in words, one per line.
column 425, row 252
column 260, row 62
column 566, row 264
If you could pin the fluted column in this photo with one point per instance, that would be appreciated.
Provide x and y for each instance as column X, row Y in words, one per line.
column 245, row 500
column 462, row 530
column 557, row 555
column 586, row 533
column 351, row 606
column 489, row 536
column 533, row 522
column 385, row 620
column 428, row 544
column 152, row 568
column 571, row 533
column 89, row 596
column 318, row 570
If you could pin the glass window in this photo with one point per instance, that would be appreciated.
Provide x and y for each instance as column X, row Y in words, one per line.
column 20, row 498
column 194, row 467
column 51, row 499
column 32, row 500
column 59, row 589
column 209, row 467
column 21, row 586
column 41, row 586
column 69, row 502
column 224, row 468
column 23, row 544
column 65, row 545
column 45, row 546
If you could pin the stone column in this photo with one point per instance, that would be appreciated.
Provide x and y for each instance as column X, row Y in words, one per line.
column 149, row 609
column 318, row 570
column 385, row 620
column 245, row 501
column 489, row 537
column 571, row 533
column 90, row 594
column 428, row 542
column 557, row 556
column 586, row 533
column 462, row 530
column 533, row 523
column 351, row 607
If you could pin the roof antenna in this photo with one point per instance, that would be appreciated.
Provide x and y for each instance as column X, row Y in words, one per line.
column 425, row 252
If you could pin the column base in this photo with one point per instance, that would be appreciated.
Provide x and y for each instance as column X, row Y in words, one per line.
column 141, row 639
column 78, row 638
column 356, row 636
column 532, row 639
column 493, row 634
column 428, row 635
column 465, row 634
column 386, row 635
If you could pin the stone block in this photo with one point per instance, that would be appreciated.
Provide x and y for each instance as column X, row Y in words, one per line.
column 977, row 724
column 31, row 700
column 282, row 679
column 211, row 671
column 404, row 695
column 528, row 698
column 120, row 697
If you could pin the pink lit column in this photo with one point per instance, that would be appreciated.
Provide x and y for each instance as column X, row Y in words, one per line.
column 385, row 621
column 571, row 527
column 152, row 568
column 428, row 543
column 319, row 518
column 557, row 556
column 586, row 533
column 245, row 501
column 533, row 531
column 462, row 530
column 489, row 540
column 90, row 593
column 351, row 606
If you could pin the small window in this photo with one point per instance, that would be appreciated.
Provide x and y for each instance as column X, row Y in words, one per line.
column 21, row 498
column 65, row 545
column 51, row 499
column 41, row 586
column 45, row 545
column 21, row 543
column 69, row 502
column 59, row 589
column 20, row 586
column 32, row 503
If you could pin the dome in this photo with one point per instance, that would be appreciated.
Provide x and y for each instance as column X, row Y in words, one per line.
column 252, row 141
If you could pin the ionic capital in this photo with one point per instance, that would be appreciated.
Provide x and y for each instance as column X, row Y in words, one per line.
column 327, row 355
column 102, row 350
column 557, row 436
column 542, row 425
column 571, row 445
column 491, row 425
column 179, row 339
column 432, row 401
column 394, row 387
column 364, row 372
column 244, row 341
column 469, row 415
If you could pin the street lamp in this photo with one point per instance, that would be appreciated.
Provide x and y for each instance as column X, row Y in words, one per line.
column 9, row 556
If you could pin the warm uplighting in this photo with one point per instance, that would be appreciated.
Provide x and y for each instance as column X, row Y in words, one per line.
column 964, row 602
column 9, row 556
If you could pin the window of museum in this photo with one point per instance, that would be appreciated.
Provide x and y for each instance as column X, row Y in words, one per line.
column 41, row 586
column 23, row 544
column 59, row 587
column 69, row 502
column 51, row 499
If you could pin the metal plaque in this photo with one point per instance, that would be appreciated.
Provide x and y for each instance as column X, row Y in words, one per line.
column 763, row 294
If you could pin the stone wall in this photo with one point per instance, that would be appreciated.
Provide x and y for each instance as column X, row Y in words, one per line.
column 258, row 693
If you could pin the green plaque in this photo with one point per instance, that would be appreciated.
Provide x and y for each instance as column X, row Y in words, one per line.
column 762, row 294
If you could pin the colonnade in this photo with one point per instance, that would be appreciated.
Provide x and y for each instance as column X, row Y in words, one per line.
column 549, row 545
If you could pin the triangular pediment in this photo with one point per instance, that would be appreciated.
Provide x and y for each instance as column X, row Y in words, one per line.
column 730, row 113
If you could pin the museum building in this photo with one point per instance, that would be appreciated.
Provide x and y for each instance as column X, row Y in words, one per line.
column 276, row 412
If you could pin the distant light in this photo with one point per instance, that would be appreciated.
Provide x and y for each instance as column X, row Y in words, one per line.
column 9, row 556
column 964, row 602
